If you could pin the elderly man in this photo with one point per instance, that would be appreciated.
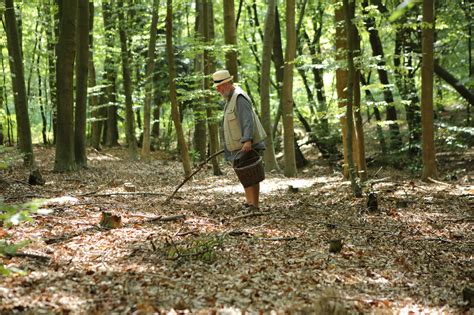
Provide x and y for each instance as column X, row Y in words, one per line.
column 242, row 130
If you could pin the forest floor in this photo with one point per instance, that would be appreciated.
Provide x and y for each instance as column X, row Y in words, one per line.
column 412, row 256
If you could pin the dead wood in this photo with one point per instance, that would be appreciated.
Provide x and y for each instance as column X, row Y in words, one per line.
column 27, row 255
column 193, row 173
column 120, row 193
column 277, row 239
column 248, row 215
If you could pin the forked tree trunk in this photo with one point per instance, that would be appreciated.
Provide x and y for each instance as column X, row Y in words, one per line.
column 82, row 68
column 18, row 82
column 173, row 97
column 287, row 95
column 65, row 79
column 427, row 69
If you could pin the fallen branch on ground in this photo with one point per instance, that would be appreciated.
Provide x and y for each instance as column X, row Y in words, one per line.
column 190, row 176
column 253, row 214
column 21, row 255
column 276, row 239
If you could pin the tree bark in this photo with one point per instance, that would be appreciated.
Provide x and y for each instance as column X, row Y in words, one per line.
column 95, row 125
column 173, row 97
column 270, row 159
column 199, row 110
column 455, row 83
column 149, row 82
column 341, row 82
column 230, row 39
column 356, row 190
column 109, row 93
column 65, row 75
column 127, row 85
column 377, row 51
column 209, row 67
column 427, row 69
column 82, row 68
column 18, row 82
column 287, row 93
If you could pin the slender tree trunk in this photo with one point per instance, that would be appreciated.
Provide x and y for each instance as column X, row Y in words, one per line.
column 127, row 85
column 42, row 102
column 5, row 101
column 199, row 110
column 93, row 103
column 230, row 38
column 377, row 51
column 341, row 83
column 149, row 83
column 270, row 159
column 173, row 97
column 455, row 83
column 82, row 68
column 209, row 67
column 356, row 190
column 18, row 82
column 287, row 95
column 109, row 93
column 278, row 62
column 65, row 76
column 429, row 153
column 359, row 130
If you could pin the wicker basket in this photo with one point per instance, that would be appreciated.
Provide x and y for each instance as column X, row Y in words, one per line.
column 249, row 169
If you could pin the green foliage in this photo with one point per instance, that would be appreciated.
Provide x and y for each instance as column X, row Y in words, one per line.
column 202, row 248
column 405, row 6
column 13, row 215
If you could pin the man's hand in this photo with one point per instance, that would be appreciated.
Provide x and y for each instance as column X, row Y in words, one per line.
column 247, row 146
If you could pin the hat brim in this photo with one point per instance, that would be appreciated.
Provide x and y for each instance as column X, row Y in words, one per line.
column 224, row 81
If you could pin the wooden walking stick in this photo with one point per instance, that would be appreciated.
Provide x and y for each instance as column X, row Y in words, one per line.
column 194, row 173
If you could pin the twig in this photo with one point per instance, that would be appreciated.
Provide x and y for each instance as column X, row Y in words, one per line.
column 437, row 182
column 253, row 214
column 190, row 176
column 39, row 257
column 186, row 233
column 118, row 193
column 172, row 218
column 276, row 239
column 238, row 233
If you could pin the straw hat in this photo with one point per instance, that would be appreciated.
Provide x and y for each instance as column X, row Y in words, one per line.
column 221, row 76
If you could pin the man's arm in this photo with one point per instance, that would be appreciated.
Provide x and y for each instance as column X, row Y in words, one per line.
column 245, row 116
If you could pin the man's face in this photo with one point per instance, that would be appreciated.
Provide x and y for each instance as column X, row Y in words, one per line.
column 224, row 89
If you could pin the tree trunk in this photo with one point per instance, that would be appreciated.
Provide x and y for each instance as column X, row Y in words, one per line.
column 199, row 110
column 287, row 93
column 270, row 159
column 341, row 82
column 82, row 68
column 149, row 83
column 230, row 39
column 359, row 130
column 127, row 85
column 427, row 69
column 18, row 82
column 173, row 97
column 377, row 51
column 278, row 62
column 65, row 75
column 455, row 83
column 356, row 190
column 209, row 67
column 95, row 125
column 110, row 75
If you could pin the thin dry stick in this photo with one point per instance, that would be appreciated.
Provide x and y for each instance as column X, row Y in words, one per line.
column 194, row 173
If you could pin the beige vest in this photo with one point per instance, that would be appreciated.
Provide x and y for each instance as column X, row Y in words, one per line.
column 232, row 132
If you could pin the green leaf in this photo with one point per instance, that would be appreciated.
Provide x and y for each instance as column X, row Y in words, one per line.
column 402, row 9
